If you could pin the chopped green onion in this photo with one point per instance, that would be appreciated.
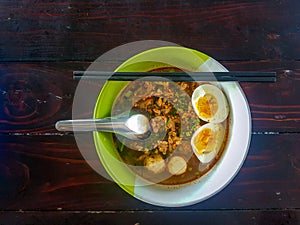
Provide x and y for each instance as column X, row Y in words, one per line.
column 128, row 94
column 168, row 122
column 121, row 147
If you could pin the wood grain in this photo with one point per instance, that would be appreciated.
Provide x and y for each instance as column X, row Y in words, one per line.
column 44, row 178
column 49, row 173
column 232, row 217
column 33, row 96
column 80, row 30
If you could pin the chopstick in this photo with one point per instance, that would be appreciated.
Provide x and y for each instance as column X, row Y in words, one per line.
column 240, row 76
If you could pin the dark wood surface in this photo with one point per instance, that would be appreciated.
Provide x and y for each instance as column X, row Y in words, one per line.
column 44, row 178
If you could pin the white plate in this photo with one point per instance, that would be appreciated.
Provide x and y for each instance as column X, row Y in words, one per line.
column 221, row 174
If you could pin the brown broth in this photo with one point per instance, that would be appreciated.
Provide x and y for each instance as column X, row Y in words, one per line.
column 135, row 159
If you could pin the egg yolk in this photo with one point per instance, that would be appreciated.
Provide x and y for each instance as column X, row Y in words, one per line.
column 204, row 141
column 207, row 105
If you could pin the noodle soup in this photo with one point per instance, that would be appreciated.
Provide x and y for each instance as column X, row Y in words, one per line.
column 173, row 159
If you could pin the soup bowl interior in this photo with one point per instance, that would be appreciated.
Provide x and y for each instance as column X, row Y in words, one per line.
column 225, row 169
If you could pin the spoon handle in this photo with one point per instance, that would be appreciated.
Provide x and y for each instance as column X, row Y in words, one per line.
column 105, row 125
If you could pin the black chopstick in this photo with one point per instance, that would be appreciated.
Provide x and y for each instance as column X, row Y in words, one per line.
column 244, row 76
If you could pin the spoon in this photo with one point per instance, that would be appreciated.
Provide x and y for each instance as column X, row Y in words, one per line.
column 134, row 127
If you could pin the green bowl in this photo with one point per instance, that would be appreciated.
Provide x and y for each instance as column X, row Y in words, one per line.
column 190, row 60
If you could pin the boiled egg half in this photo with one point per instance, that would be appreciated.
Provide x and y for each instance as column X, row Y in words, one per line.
column 210, row 103
column 207, row 141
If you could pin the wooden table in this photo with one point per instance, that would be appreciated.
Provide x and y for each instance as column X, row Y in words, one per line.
column 43, row 177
